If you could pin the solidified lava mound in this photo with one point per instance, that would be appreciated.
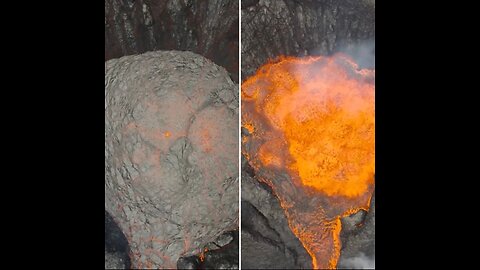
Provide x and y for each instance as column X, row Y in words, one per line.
column 171, row 154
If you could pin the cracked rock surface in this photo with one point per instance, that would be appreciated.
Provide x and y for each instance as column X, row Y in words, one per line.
column 171, row 154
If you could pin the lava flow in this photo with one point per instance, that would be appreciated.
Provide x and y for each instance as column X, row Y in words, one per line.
column 310, row 125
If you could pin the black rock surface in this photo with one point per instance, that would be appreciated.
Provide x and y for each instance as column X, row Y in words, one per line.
column 224, row 255
column 116, row 246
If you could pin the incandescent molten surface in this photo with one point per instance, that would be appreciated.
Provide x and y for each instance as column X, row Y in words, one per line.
column 313, row 119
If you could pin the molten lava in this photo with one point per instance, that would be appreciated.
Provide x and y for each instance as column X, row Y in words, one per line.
column 313, row 119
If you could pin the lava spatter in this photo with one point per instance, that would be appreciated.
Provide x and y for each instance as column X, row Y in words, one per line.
column 311, row 124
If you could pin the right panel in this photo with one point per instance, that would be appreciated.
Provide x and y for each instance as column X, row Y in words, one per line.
column 308, row 134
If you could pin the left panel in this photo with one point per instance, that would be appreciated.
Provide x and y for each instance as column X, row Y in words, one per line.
column 171, row 134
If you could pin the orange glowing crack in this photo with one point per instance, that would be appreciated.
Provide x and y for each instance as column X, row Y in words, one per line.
column 206, row 139
column 314, row 118
column 202, row 254
column 249, row 127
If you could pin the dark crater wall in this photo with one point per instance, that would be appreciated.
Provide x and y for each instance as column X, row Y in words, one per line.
column 272, row 28
column 298, row 28
column 207, row 27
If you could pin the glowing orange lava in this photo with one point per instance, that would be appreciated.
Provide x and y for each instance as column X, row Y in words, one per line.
column 313, row 118
column 202, row 254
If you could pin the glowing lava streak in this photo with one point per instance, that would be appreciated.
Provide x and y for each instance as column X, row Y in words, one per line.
column 313, row 118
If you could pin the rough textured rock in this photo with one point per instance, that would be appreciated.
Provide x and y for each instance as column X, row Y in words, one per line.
column 171, row 154
column 114, row 261
column 267, row 241
column 224, row 255
column 298, row 28
column 190, row 262
column 209, row 28
column 271, row 28
column 221, row 254
column 358, row 240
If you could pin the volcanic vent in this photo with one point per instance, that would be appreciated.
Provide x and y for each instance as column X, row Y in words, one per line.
column 307, row 132
column 311, row 139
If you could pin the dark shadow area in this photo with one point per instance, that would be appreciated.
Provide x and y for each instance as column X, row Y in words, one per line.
column 116, row 245
column 225, row 257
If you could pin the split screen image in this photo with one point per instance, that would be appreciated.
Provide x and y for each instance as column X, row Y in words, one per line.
column 239, row 134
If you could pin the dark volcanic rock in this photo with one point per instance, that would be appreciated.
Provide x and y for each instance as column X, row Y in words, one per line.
column 271, row 28
column 224, row 257
column 171, row 154
column 209, row 28
column 358, row 239
column 265, row 230
column 115, row 240
column 261, row 241
column 221, row 254
column 116, row 246
column 191, row 262
column 114, row 261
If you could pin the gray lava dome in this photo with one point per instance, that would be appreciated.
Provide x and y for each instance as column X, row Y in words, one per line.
column 171, row 154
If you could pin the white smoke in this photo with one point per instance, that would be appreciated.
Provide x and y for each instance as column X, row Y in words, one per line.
column 359, row 262
column 362, row 52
